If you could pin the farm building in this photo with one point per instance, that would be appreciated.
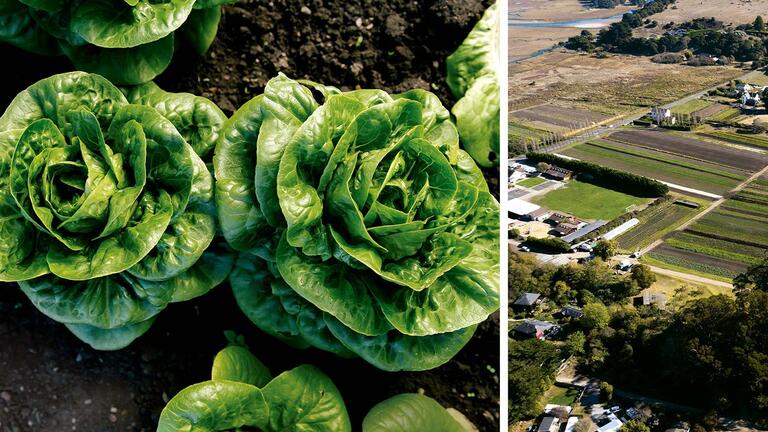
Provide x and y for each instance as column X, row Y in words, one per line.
column 570, row 426
column 660, row 115
column 621, row 229
column 520, row 208
column 527, row 302
column 647, row 299
column 584, row 231
column 570, row 312
column 559, row 173
column 536, row 329
column 608, row 423
column 566, row 228
column 539, row 215
column 549, row 424
column 560, row 217
column 517, row 176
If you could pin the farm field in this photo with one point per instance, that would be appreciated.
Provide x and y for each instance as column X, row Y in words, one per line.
column 727, row 240
column 758, row 141
column 616, row 85
column 726, row 115
column 728, row 11
column 655, row 223
column 711, row 110
column 664, row 167
column 559, row 118
column 692, row 106
column 531, row 182
column 587, row 201
column 690, row 147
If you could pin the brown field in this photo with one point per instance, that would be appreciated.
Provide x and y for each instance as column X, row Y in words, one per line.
column 614, row 85
column 729, row 11
column 559, row 116
column 710, row 110
column 703, row 150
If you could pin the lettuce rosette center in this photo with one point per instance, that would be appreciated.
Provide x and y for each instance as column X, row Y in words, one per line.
column 366, row 208
column 107, row 209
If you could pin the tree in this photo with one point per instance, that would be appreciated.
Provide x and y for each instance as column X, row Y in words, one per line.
column 585, row 424
column 605, row 249
column 543, row 167
column 643, row 276
column 574, row 343
column 756, row 278
column 606, row 392
column 559, row 292
column 596, row 316
column 634, row 426
column 759, row 25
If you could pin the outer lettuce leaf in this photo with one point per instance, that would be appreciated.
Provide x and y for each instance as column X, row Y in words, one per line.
column 123, row 66
column 472, row 77
column 215, row 405
column 410, row 412
column 116, row 24
column 110, row 339
column 236, row 363
column 200, row 28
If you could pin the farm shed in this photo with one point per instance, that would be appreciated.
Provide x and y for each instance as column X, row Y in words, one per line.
column 566, row 228
column 559, row 173
column 648, row 299
column 549, row 424
column 621, row 229
column 521, row 208
column 539, row 215
column 584, row 231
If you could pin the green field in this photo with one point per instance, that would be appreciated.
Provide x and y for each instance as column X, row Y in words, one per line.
column 685, row 172
column 725, row 115
column 531, row 182
column 588, row 201
column 520, row 131
column 655, row 223
column 564, row 396
column 760, row 141
column 683, row 291
column 733, row 236
column 691, row 106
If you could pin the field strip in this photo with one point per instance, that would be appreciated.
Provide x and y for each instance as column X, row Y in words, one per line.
column 691, row 190
column 690, row 277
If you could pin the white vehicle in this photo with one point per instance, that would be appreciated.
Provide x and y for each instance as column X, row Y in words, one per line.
column 525, row 248
column 636, row 254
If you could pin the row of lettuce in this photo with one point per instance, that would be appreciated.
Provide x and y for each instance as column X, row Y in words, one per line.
column 355, row 224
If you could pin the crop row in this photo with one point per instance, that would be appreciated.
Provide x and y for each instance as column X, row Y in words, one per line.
column 654, row 225
column 691, row 264
column 718, row 248
column 737, row 138
column 726, row 115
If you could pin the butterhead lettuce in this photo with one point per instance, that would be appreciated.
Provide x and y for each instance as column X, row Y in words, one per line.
column 473, row 78
column 363, row 229
column 108, row 211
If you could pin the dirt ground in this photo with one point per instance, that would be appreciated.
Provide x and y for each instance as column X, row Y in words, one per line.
column 50, row 381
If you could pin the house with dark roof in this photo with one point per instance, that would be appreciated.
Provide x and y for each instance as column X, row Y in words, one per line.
column 566, row 228
column 570, row 312
column 537, row 329
column 527, row 302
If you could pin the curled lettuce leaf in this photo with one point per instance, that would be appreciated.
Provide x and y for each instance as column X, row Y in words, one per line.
column 127, row 41
column 362, row 227
column 410, row 412
column 473, row 78
column 242, row 393
column 108, row 211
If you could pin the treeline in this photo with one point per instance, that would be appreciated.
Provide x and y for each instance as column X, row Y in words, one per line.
column 702, row 35
column 710, row 353
column 550, row 244
column 608, row 177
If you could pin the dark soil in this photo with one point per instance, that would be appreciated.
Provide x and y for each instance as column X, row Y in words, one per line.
column 50, row 381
